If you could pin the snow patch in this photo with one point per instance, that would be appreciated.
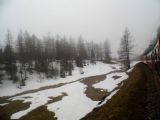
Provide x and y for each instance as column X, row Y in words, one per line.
column 75, row 106
column 110, row 83
column 37, row 99
column 65, row 108
column 4, row 104
column 8, row 88
column 107, row 98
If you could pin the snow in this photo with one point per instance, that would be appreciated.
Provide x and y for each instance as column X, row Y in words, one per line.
column 132, row 65
column 107, row 98
column 130, row 70
column 4, row 104
column 110, row 83
column 37, row 99
column 76, row 104
column 8, row 88
column 65, row 108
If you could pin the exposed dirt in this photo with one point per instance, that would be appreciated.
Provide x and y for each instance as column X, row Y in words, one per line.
column 89, row 81
column 41, row 89
column 26, row 97
column 56, row 86
column 13, row 107
column 130, row 101
column 56, row 99
column 4, row 100
column 96, row 94
column 40, row 113
column 116, row 77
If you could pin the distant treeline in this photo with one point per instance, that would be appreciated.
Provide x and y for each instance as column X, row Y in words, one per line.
column 29, row 53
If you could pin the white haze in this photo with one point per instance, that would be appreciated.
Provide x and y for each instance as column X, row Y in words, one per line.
column 95, row 20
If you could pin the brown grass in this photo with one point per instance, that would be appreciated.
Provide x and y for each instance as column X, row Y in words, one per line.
column 40, row 113
column 130, row 101
column 96, row 94
column 37, row 114
column 4, row 100
column 89, row 81
column 13, row 107
column 40, row 89
column 55, row 99
column 116, row 77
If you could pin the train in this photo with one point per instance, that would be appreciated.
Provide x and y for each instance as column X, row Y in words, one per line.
column 152, row 59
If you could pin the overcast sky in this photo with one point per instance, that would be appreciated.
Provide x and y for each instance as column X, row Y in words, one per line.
column 95, row 20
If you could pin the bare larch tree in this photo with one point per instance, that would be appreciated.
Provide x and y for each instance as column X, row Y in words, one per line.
column 125, row 50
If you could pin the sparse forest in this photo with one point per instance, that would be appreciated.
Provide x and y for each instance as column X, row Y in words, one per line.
column 50, row 56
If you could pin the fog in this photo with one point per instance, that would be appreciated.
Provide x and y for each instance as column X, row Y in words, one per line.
column 95, row 20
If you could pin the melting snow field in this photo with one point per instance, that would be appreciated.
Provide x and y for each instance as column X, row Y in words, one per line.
column 65, row 108
column 72, row 106
column 8, row 88
column 75, row 106
column 110, row 83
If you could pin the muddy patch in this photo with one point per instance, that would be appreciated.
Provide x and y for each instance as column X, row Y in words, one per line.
column 40, row 89
column 116, row 77
column 96, row 94
column 11, row 108
column 89, row 81
column 113, row 67
column 27, row 97
column 40, row 113
column 56, row 99
column 4, row 100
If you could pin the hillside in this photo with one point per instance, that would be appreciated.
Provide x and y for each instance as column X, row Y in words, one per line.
column 111, row 96
column 130, row 102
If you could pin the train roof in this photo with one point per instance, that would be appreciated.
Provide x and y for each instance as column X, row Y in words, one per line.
column 157, row 45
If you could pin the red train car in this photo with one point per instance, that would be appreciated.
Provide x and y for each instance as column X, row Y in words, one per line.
column 152, row 59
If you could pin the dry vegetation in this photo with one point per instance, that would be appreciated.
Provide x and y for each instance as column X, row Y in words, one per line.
column 40, row 113
column 13, row 107
column 56, row 99
column 129, row 103
column 96, row 94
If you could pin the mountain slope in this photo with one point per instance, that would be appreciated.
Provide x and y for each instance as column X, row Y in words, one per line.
column 130, row 101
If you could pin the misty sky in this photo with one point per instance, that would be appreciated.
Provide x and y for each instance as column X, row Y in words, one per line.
column 95, row 20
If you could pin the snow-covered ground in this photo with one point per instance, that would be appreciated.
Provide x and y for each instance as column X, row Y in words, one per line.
column 75, row 104
column 33, row 82
column 4, row 104
column 65, row 108
column 110, row 83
